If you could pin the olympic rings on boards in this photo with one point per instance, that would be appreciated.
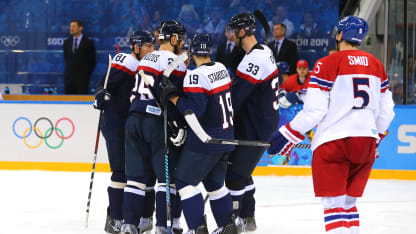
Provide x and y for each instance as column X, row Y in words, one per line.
column 48, row 133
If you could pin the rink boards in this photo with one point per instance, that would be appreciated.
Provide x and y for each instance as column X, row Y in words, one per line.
column 60, row 136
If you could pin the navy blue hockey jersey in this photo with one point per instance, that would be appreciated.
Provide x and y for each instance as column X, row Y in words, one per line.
column 154, row 64
column 207, row 93
column 254, row 95
column 119, row 85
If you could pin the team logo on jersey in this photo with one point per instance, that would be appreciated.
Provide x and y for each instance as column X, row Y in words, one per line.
column 10, row 41
column 44, row 130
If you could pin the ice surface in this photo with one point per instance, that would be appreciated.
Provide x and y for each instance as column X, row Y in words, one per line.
column 54, row 202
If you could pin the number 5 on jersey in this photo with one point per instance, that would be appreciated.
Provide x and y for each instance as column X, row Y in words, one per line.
column 227, row 110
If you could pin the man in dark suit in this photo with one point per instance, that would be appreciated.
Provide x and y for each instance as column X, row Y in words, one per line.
column 229, row 54
column 79, row 55
column 283, row 49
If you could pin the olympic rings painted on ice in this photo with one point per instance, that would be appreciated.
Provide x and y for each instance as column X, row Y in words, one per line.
column 48, row 133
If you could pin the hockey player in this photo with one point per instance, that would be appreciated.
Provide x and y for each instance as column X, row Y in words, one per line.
column 254, row 96
column 145, row 133
column 348, row 97
column 207, row 93
column 115, row 103
column 292, row 91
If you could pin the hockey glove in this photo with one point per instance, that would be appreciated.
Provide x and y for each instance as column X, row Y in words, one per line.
column 287, row 100
column 381, row 136
column 284, row 140
column 167, row 90
column 179, row 137
column 101, row 99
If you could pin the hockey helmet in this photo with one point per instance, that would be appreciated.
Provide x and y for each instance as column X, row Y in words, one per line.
column 245, row 21
column 201, row 44
column 354, row 29
column 283, row 67
column 141, row 37
column 171, row 27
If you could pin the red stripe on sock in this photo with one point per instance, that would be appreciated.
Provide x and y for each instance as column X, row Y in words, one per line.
column 339, row 224
column 339, row 209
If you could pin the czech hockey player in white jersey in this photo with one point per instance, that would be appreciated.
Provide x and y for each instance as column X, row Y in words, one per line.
column 348, row 97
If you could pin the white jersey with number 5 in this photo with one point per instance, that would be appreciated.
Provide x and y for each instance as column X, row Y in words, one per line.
column 348, row 95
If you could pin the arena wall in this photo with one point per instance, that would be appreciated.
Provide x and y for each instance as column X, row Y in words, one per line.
column 70, row 128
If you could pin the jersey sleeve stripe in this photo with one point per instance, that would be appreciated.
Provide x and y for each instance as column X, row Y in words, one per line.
column 150, row 70
column 316, row 82
column 219, row 89
column 274, row 74
column 247, row 77
column 384, row 86
column 123, row 68
column 194, row 90
column 178, row 73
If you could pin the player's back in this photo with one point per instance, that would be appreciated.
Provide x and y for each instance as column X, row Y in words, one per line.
column 210, row 83
column 254, row 95
column 354, row 81
column 154, row 64
column 120, row 83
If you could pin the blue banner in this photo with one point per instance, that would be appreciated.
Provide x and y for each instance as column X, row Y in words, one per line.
column 397, row 150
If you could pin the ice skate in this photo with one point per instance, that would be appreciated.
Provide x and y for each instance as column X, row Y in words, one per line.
column 230, row 228
column 112, row 225
column 246, row 224
column 129, row 229
column 145, row 225
column 202, row 229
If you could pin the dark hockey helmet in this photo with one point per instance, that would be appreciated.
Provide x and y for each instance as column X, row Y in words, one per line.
column 245, row 21
column 171, row 27
column 141, row 37
column 201, row 44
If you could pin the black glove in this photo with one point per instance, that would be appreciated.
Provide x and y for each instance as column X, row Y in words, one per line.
column 168, row 89
column 101, row 99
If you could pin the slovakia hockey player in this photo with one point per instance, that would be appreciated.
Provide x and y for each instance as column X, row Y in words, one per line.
column 207, row 93
column 115, row 103
column 145, row 132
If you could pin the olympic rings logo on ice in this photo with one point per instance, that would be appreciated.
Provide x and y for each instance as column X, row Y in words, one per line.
column 10, row 40
column 122, row 41
column 43, row 134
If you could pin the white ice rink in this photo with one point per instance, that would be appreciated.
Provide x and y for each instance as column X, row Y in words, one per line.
column 33, row 202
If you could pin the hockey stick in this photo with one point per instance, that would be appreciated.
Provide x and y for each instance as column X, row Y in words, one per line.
column 163, row 106
column 196, row 127
column 97, row 139
column 180, row 59
column 260, row 16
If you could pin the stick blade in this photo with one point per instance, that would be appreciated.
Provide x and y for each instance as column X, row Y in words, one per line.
column 262, row 19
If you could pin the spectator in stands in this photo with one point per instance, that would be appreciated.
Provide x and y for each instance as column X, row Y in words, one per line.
column 309, row 28
column 298, row 82
column 216, row 24
column 283, row 49
column 229, row 54
column 280, row 17
column 189, row 18
column 79, row 55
